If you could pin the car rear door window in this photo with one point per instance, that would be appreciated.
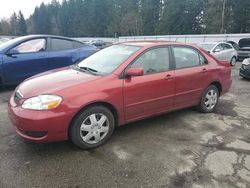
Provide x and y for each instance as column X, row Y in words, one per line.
column 153, row 61
column 187, row 57
column 31, row 46
column 61, row 44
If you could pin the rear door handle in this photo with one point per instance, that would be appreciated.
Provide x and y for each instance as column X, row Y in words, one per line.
column 169, row 77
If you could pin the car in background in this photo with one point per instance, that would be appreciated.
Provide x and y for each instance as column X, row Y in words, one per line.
column 245, row 68
column 244, row 51
column 26, row 56
column 234, row 44
column 98, row 43
column 115, row 86
column 221, row 50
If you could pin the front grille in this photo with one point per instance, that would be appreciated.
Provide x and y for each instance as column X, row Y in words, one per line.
column 17, row 96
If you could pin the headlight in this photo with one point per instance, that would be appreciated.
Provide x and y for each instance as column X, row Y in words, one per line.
column 42, row 102
column 246, row 62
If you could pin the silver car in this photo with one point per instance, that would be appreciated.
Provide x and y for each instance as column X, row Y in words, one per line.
column 221, row 50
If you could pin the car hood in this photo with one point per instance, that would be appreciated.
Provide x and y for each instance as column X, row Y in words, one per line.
column 53, row 82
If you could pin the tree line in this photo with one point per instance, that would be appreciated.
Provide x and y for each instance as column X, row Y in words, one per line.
column 113, row 18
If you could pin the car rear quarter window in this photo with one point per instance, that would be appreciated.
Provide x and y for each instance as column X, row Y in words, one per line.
column 153, row 61
column 61, row 44
column 187, row 57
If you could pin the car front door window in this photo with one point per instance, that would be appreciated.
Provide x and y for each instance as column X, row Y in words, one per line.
column 31, row 46
column 153, row 61
column 218, row 48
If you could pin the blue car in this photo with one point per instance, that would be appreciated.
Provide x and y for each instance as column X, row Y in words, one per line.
column 26, row 56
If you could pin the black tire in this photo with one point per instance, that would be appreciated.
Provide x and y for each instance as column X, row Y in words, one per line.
column 202, row 107
column 233, row 61
column 76, row 135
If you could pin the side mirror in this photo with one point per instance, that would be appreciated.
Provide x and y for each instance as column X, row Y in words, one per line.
column 217, row 50
column 134, row 72
column 12, row 51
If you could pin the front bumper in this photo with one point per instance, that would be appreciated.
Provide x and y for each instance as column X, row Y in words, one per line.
column 245, row 71
column 39, row 126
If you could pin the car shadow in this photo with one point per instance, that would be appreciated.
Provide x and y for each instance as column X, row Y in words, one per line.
column 245, row 79
column 153, row 124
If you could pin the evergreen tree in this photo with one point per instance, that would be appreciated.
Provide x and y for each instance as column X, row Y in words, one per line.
column 5, row 27
column 100, row 18
column 150, row 11
column 14, row 24
column 22, row 28
column 181, row 17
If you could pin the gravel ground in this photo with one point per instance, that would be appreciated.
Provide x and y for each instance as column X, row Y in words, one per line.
column 180, row 149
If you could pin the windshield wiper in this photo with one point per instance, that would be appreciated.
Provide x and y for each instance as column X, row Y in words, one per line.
column 90, row 70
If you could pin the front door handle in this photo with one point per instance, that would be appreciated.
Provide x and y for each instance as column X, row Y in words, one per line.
column 204, row 70
column 169, row 77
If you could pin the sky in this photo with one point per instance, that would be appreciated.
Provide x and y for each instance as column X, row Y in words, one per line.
column 8, row 7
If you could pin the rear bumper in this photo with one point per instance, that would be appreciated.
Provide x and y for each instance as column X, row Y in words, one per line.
column 245, row 71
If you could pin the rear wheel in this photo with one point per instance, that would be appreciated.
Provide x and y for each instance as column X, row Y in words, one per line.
column 93, row 127
column 209, row 99
column 233, row 61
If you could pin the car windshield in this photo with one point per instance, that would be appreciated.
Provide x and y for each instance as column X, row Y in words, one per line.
column 207, row 47
column 108, row 59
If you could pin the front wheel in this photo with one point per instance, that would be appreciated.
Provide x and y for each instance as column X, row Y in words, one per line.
column 93, row 127
column 209, row 99
column 233, row 61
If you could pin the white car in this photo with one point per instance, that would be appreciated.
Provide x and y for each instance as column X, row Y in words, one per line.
column 221, row 50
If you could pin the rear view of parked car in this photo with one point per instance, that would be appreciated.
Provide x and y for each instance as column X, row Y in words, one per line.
column 24, row 57
column 245, row 68
column 120, row 84
column 244, row 51
column 221, row 51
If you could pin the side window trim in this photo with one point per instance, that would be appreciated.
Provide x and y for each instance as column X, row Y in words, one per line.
column 46, row 45
column 199, row 53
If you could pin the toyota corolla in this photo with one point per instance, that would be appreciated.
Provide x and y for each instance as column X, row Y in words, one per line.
column 117, row 85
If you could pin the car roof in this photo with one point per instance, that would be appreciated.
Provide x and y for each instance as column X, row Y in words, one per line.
column 211, row 43
column 152, row 43
column 48, row 36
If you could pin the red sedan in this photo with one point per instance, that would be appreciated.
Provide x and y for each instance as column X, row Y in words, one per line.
column 117, row 85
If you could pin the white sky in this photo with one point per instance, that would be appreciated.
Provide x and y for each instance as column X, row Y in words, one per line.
column 8, row 7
